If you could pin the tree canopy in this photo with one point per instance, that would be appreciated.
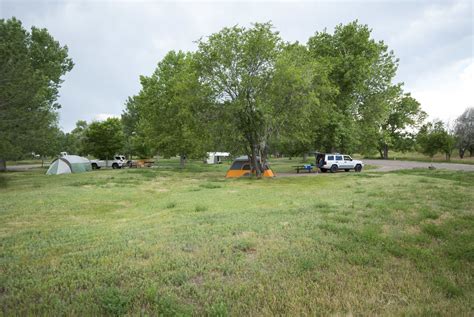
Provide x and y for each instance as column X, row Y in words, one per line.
column 104, row 139
column 247, row 91
column 244, row 90
column 31, row 65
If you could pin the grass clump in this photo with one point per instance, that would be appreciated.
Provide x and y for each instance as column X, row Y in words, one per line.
column 210, row 185
column 113, row 302
column 200, row 208
column 170, row 205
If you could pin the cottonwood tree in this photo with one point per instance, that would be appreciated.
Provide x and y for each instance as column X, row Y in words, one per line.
column 464, row 132
column 31, row 67
column 173, row 102
column 362, row 69
column 238, row 64
column 104, row 139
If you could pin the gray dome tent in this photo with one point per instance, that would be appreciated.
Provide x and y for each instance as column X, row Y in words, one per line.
column 69, row 164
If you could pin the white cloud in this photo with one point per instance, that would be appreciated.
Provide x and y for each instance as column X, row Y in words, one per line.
column 445, row 93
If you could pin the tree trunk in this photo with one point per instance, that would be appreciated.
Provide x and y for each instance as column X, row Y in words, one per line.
column 448, row 156
column 461, row 153
column 264, row 157
column 385, row 152
column 305, row 157
column 470, row 152
column 381, row 153
column 3, row 165
column 254, row 161
column 182, row 160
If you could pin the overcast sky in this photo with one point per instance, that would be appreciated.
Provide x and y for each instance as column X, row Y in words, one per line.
column 112, row 43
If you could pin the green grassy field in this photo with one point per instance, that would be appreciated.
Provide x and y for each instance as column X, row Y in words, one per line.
column 172, row 242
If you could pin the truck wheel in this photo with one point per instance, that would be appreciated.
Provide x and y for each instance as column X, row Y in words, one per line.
column 115, row 166
column 334, row 168
column 94, row 166
column 358, row 168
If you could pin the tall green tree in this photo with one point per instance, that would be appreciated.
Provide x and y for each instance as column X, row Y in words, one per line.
column 173, row 102
column 362, row 69
column 238, row 64
column 31, row 67
column 104, row 139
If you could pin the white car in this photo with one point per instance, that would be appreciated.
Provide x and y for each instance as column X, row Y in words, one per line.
column 335, row 161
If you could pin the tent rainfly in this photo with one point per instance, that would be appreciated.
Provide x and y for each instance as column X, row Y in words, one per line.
column 242, row 167
column 69, row 164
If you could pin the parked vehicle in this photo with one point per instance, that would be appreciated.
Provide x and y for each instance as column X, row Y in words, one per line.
column 216, row 157
column 118, row 161
column 335, row 161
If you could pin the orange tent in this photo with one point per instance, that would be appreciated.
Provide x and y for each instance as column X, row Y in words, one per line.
column 242, row 167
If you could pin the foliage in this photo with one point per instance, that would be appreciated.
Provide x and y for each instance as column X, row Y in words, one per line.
column 301, row 96
column 464, row 131
column 104, row 139
column 405, row 113
column 434, row 138
column 370, row 112
column 361, row 68
column 135, row 138
column 238, row 65
column 32, row 65
column 173, row 102
column 74, row 141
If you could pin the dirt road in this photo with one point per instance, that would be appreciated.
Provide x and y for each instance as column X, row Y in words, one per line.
column 393, row 165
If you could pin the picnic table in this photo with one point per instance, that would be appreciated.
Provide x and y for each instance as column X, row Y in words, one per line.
column 306, row 167
column 141, row 163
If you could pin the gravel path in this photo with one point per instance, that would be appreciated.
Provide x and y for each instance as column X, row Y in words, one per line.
column 393, row 165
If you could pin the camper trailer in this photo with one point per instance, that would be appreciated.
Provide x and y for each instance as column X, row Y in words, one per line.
column 216, row 157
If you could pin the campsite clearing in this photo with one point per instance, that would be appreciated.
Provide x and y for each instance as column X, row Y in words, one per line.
column 172, row 241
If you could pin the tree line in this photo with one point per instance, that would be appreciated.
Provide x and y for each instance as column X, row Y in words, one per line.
column 243, row 90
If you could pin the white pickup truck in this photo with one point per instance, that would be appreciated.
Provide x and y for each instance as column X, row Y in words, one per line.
column 118, row 161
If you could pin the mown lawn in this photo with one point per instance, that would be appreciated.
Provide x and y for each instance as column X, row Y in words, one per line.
column 171, row 242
